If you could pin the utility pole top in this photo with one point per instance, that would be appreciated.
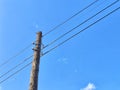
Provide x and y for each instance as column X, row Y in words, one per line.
column 39, row 32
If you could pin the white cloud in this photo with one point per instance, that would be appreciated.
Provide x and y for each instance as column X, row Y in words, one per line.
column 90, row 86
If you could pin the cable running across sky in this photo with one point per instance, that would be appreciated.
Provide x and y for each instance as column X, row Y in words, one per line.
column 81, row 31
column 11, row 58
column 70, row 18
column 3, row 75
column 15, row 73
column 80, row 24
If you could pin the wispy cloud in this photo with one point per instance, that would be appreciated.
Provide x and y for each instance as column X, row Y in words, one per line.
column 36, row 26
column 90, row 86
column 63, row 60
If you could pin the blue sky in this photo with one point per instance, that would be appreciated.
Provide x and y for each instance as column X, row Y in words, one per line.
column 88, row 61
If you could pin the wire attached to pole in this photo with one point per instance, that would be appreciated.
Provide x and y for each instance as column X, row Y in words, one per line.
column 3, row 75
column 70, row 18
column 80, row 24
column 81, row 31
column 11, row 58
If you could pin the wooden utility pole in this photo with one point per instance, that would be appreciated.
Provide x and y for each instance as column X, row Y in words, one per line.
column 35, row 63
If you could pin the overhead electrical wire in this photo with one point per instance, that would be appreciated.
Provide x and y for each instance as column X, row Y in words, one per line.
column 81, row 24
column 98, row 5
column 11, row 58
column 81, row 31
column 15, row 73
column 63, row 42
column 26, row 59
column 70, row 18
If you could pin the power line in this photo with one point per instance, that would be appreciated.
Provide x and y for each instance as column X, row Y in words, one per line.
column 70, row 18
column 81, row 24
column 11, row 58
column 98, row 5
column 82, row 30
column 15, row 73
column 16, row 66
